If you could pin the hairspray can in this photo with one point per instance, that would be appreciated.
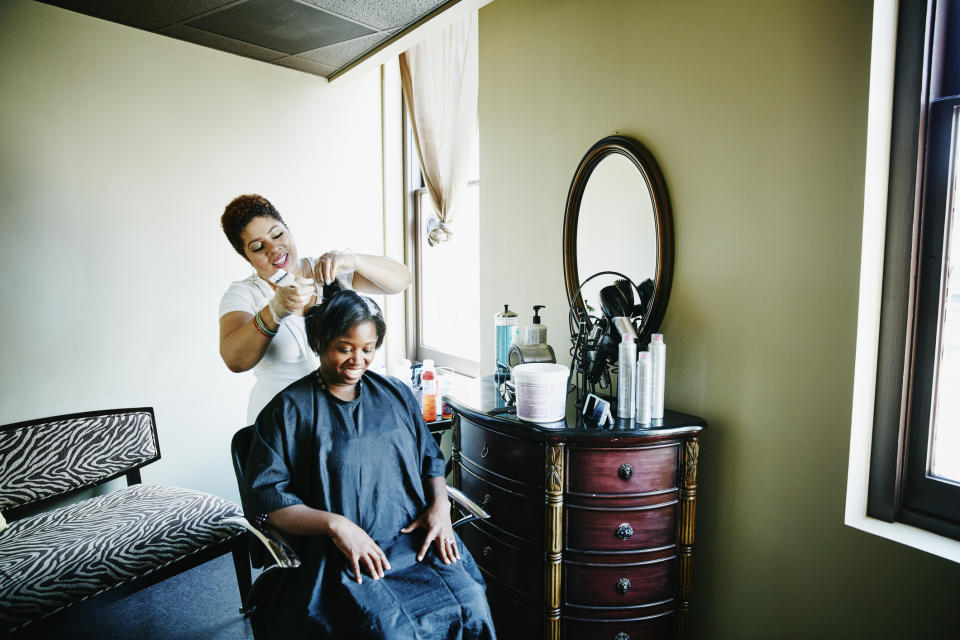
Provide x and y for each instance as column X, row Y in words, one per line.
column 506, row 326
column 626, row 378
column 644, row 388
column 658, row 356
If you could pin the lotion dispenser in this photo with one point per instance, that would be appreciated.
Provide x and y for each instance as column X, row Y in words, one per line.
column 535, row 332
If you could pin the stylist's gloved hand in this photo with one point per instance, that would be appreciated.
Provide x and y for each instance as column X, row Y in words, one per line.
column 291, row 298
column 334, row 263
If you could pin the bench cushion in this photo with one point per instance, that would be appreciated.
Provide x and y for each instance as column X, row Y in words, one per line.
column 60, row 557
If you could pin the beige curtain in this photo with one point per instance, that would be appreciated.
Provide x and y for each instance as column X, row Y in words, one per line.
column 440, row 80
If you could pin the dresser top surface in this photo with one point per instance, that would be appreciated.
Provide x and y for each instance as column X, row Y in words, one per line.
column 482, row 404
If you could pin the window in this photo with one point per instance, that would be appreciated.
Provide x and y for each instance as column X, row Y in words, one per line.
column 915, row 457
column 446, row 326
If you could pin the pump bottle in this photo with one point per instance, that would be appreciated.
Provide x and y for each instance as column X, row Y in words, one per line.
column 535, row 332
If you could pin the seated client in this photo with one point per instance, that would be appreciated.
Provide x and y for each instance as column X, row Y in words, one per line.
column 343, row 465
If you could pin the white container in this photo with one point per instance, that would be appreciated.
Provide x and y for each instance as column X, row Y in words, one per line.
column 626, row 378
column 541, row 391
column 658, row 360
column 644, row 388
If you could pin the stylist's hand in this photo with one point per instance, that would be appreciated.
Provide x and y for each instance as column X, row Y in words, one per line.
column 332, row 264
column 436, row 520
column 291, row 298
column 359, row 548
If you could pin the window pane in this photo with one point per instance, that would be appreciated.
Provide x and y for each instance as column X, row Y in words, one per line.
column 946, row 411
column 450, row 280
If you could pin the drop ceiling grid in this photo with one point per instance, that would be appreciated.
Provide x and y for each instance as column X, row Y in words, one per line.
column 342, row 30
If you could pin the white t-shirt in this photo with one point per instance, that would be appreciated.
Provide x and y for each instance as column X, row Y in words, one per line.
column 288, row 356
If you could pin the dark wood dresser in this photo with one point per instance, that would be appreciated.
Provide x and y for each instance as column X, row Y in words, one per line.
column 591, row 529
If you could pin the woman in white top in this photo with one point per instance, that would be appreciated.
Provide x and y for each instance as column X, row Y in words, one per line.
column 261, row 325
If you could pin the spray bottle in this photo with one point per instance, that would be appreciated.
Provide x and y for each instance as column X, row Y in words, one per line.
column 507, row 327
column 658, row 359
column 644, row 388
column 626, row 378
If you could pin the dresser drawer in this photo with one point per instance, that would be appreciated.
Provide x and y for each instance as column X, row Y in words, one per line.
column 652, row 628
column 621, row 470
column 592, row 529
column 606, row 585
column 513, row 512
column 512, row 458
column 521, row 569
column 513, row 619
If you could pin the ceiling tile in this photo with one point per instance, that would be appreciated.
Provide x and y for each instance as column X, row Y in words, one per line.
column 212, row 40
column 111, row 12
column 280, row 25
column 380, row 14
column 337, row 55
column 316, row 68
column 173, row 10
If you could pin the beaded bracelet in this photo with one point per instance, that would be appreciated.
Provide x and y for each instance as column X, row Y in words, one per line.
column 260, row 520
column 262, row 328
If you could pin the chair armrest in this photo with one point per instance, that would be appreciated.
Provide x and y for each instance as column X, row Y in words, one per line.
column 472, row 510
column 283, row 555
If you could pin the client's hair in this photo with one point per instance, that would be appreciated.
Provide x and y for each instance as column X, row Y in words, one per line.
column 337, row 314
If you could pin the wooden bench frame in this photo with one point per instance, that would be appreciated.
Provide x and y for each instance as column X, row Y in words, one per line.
column 237, row 544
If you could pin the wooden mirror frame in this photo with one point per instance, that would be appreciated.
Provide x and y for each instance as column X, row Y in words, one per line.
column 648, row 168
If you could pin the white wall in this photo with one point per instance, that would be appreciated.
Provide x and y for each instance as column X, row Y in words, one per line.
column 118, row 151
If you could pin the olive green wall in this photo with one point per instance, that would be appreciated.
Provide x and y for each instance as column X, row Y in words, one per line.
column 756, row 112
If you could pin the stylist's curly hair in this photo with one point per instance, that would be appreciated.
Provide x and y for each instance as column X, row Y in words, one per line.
column 240, row 212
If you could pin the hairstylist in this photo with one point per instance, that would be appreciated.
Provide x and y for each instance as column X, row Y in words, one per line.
column 261, row 325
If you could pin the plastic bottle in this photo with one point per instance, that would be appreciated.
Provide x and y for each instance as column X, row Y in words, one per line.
column 506, row 327
column 658, row 358
column 644, row 388
column 535, row 332
column 626, row 378
column 444, row 388
column 429, row 391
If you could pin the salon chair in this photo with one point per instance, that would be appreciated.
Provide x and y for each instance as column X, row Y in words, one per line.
column 269, row 551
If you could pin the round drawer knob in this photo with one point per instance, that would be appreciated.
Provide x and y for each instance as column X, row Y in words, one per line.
column 621, row 636
column 623, row 586
column 625, row 471
column 624, row 531
column 484, row 450
column 486, row 501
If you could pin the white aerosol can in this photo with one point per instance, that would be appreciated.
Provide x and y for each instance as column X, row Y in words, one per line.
column 627, row 378
column 658, row 357
column 644, row 388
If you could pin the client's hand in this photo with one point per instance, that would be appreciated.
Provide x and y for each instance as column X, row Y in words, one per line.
column 359, row 548
column 436, row 520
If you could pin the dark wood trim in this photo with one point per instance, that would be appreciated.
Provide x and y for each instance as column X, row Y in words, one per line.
column 900, row 258
column 650, row 170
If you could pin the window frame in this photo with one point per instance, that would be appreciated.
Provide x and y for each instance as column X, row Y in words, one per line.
column 900, row 490
column 414, row 190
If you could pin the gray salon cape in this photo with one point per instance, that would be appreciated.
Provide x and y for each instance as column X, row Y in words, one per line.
column 365, row 459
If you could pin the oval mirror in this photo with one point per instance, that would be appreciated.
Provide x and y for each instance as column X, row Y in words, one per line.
column 618, row 219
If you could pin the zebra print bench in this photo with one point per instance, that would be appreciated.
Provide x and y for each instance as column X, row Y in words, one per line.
column 98, row 549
